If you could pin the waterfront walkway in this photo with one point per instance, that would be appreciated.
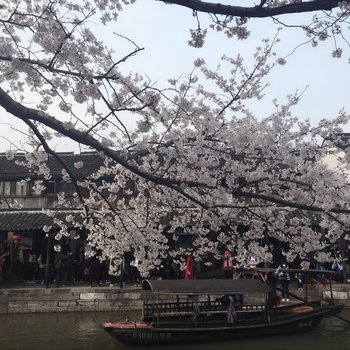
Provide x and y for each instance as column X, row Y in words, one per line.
column 20, row 297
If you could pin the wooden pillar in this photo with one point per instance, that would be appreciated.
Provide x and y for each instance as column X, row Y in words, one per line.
column 122, row 272
column 306, row 295
column 48, row 255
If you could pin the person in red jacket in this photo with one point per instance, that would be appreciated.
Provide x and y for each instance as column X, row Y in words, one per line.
column 227, row 264
column 189, row 270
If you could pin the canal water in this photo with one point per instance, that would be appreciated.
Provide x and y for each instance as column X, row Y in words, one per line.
column 81, row 331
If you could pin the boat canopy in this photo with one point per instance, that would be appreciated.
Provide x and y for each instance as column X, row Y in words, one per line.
column 302, row 271
column 205, row 286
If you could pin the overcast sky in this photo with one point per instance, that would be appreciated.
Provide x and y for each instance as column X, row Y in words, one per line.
column 163, row 30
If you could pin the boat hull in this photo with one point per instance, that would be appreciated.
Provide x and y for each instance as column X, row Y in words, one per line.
column 143, row 334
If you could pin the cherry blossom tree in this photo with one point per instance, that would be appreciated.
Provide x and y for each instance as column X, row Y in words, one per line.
column 195, row 154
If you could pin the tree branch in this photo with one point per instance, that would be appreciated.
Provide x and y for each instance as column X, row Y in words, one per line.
column 290, row 204
column 48, row 150
column 27, row 114
column 259, row 11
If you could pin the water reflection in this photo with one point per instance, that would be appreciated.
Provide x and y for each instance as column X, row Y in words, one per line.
column 81, row 331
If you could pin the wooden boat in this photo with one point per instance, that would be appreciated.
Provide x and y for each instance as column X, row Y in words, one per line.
column 188, row 311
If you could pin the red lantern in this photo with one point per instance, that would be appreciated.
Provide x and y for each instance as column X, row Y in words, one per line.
column 16, row 237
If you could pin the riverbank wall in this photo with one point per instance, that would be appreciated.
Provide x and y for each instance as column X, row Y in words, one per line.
column 81, row 299
column 75, row 299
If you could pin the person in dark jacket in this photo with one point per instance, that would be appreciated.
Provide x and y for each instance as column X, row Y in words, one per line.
column 272, row 300
column 276, row 255
column 58, row 264
column 284, row 277
column 95, row 270
column 338, row 266
column 3, row 258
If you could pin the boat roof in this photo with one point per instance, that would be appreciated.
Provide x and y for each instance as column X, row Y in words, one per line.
column 204, row 286
column 303, row 271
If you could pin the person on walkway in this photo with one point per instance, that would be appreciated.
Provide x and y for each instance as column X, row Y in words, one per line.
column 227, row 264
column 27, row 273
column 276, row 253
column 3, row 256
column 86, row 272
column 338, row 266
column 113, row 279
column 68, row 275
column 95, row 271
column 41, row 267
column 58, row 264
column 189, row 270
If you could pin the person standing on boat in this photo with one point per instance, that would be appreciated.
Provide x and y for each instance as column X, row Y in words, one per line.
column 347, row 264
column 231, row 311
column 299, row 277
column 284, row 277
column 189, row 270
column 272, row 299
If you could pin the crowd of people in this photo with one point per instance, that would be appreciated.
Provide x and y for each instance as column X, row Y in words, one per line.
column 285, row 272
column 66, row 267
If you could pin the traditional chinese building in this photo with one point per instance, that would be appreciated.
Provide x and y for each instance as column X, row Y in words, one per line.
column 23, row 209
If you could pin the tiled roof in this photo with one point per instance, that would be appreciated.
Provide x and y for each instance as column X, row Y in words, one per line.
column 341, row 141
column 9, row 170
column 30, row 220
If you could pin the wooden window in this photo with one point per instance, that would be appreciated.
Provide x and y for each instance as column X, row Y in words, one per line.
column 50, row 187
column 6, row 191
column 21, row 188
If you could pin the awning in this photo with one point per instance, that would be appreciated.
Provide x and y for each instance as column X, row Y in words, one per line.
column 204, row 286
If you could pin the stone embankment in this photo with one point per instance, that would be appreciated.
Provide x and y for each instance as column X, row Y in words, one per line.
column 70, row 299
column 79, row 299
column 341, row 293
